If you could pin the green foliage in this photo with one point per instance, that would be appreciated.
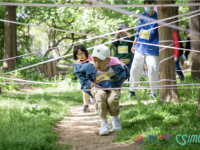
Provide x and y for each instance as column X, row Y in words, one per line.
column 27, row 121
column 30, row 73
column 159, row 119
column 8, row 86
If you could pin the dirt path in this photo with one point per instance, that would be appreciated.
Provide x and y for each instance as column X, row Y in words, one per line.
column 81, row 131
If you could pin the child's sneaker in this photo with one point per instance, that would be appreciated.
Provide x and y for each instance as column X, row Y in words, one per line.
column 85, row 109
column 104, row 128
column 116, row 123
column 131, row 94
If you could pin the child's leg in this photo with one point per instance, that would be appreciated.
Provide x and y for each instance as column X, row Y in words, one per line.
column 85, row 101
column 102, row 106
column 85, row 98
column 113, row 105
column 113, row 102
column 101, row 102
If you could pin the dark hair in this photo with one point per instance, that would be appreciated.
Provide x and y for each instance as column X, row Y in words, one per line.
column 149, row 1
column 82, row 48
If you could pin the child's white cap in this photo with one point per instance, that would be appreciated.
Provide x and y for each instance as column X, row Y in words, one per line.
column 102, row 52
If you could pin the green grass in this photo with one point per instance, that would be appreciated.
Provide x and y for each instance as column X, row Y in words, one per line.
column 160, row 118
column 27, row 121
column 184, row 94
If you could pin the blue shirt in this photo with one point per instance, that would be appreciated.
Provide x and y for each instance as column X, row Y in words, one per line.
column 153, row 37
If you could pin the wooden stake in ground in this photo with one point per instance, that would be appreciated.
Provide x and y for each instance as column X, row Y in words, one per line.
column 195, row 26
column 49, row 68
column 54, row 69
column 167, row 67
column 10, row 37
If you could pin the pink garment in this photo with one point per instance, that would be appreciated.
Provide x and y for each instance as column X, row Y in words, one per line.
column 155, row 9
column 113, row 61
column 88, row 59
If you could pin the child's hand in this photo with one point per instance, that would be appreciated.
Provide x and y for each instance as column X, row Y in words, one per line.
column 92, row 85
column 175, row 59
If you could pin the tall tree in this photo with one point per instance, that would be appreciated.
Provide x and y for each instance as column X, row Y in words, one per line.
column 195, row 26
column 174, row 13
column 10, row 37
column 167, row 67
column 198, row 108
column 1, row 32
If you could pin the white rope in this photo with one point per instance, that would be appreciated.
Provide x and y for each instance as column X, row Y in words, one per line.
column 93, row 47
column 136, row 27
column 176, row 86
column 166, row 58
column 105, row 34
column 179, row 41
column 167, row 80
column 36, row 82
column 21, row 80
column 122, row 11
column 189, row 70
column 19, row 56
column 165, row 48
column 95, row 5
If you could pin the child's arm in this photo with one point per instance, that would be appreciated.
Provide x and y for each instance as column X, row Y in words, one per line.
column 80, row 71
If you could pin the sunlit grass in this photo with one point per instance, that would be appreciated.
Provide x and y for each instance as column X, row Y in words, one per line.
column 27, row 121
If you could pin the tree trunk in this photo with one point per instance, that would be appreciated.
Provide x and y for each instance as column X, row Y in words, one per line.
column 198, row 108
column 174, row 13
column 167, row 67
column 10, row 37
column 195, row 26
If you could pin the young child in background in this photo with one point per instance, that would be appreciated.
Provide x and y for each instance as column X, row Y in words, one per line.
column 104, row 72
column 83, row 56
column 176, row 56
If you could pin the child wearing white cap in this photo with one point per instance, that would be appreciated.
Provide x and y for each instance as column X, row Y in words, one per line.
column 104, row 72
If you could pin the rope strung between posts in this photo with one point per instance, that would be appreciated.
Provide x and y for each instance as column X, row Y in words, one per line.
column 95, row 5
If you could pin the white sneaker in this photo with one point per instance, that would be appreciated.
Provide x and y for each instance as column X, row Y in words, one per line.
column 104, row 128
column 116, row 123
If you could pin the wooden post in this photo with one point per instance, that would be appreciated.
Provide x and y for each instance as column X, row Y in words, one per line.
column 195, row 26
column 49, row 68
column 45, row 70
column 167, row 67
column 54, row 71
column 41, row 69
